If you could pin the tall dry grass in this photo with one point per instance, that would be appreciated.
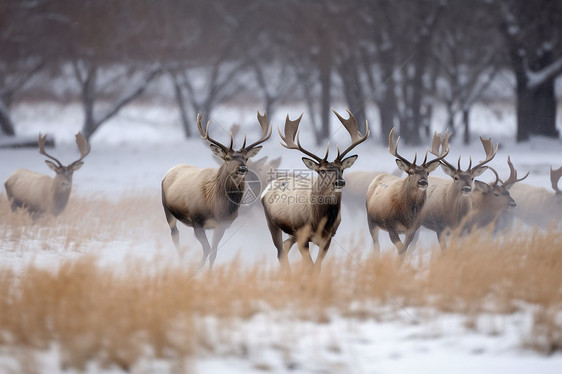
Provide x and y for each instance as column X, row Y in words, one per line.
column 116, row 316
column 96, row 218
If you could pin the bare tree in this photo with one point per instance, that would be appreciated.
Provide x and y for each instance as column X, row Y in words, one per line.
column 534, row 42
column 467, row 56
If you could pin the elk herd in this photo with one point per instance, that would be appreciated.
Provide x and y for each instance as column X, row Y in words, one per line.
column 398, row 204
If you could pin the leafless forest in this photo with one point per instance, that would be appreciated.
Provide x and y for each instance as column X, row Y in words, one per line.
column 404, row 57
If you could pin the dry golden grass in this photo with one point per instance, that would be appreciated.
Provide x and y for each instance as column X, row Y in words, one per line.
column 116, row 316
column 85, row 218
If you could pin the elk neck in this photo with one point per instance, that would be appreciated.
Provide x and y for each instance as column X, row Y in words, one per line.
column 412, row 198
column 459, row 204
column 60, row 194
column 225, row 190
column 326, row 204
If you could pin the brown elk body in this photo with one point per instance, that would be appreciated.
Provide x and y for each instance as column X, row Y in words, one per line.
column 394, row 204
column 209, row 198
column 40, row 194
column 450, row 200
column 310, row 212
column 538, row 206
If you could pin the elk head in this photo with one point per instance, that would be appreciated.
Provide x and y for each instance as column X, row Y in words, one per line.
column 417, row 174
column 330, row 172
column 463, row 180
column 235, row 161
column 498, row 197
column 63, row 179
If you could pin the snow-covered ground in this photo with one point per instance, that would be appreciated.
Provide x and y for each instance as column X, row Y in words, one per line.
column 131, row 154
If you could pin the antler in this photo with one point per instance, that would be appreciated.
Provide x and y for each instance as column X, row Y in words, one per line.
column 265, row 132
column 205, row 135
column 42, row 149
column 496, row 174
column 291, row 132
column 393, row 147
column 554, row 178
column 83, row 146
column 350, row 125
column 490, row 153
column 440, row 141
column 512, row 175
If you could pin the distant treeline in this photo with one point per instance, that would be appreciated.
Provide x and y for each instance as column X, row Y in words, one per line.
column 402, row 56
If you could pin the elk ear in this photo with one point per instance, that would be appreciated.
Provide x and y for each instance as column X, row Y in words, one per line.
column 431, row 167
column 311, row 164
column 402, row 165
column 447, row 170
column 52, row 165
column 479, row 171
column 76, row 166
column 218, row 151
column 275, row 163
column 348, row 162
column 481, row 186
column 254, row 151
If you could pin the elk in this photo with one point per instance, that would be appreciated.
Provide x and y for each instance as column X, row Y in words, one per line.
column 395, row 204
column 356, row 186
column 450, row 200
column 490, row 200
column 209, row 198
column 309, row 213
column 537, row 206
column 40, row 194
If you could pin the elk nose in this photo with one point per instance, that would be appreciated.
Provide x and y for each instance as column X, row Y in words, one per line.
column 466, row 189
column 422, row 183
column 511, row 204
column 242, row 169
column 339, row 183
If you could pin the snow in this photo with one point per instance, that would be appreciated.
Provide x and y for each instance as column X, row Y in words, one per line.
column 133, row 151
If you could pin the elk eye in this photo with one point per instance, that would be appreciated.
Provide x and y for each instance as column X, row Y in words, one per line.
column 456, row 178
column 322, row 172
column 228, row 158
column 496, row 194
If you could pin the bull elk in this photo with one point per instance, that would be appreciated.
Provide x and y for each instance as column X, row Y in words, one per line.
column 209, row 198
column 450, row 200
column 395, row 204
column 40, row 194
column 490, row 200
column 311, row 213
column 538, row 206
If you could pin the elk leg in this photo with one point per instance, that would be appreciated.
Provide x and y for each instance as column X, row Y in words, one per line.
column 277, row 237
column 202, row 237
column 217, row 236
column 287, row 245
column 395, row 238
column 441, row 237
column 304, row 248
column 322, row 251
column 374, row 231
column 13, row 203
column 172, row 222
column 408, row 240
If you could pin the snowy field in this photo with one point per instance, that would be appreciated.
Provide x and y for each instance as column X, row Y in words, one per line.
column 131, row 154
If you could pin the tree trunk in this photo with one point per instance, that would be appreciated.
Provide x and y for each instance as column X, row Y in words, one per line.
column 183, row 111
column 536, row 110
column 6, row 123
column 353, row 92
column 88, row 101
column 466, row 125
column 326, row 84
column 545, row 110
